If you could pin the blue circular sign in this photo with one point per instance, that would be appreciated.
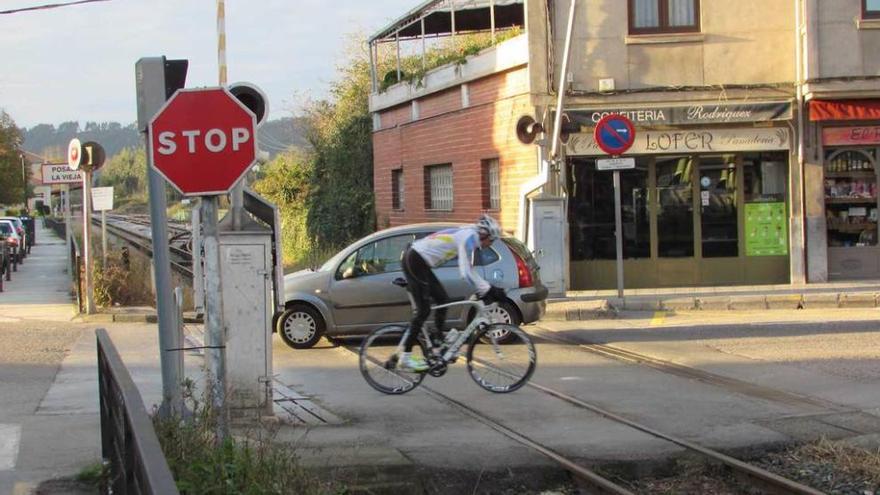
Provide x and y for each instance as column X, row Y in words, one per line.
column 614, row 134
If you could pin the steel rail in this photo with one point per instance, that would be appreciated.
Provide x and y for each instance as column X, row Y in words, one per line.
column 143, row 244
column 669, row 367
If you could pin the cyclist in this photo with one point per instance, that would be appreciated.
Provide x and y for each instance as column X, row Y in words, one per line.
column 430, row 252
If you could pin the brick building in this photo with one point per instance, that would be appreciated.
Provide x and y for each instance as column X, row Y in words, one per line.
column 757, row 122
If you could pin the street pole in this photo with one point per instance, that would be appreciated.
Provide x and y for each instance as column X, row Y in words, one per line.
column 23, row 181
column 172, row 401
column 618, row 233
column 214, row 330
column 65, row 204
column 87, row 239
column 198, row 277
column 104, row 238
column 236, row 196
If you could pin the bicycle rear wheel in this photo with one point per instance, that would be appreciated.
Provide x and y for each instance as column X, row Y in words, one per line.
column 497, row 367
column 378, row 361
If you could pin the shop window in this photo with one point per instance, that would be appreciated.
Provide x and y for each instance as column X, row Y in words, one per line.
column 397, row 189
column 664, row 16
column 491, row 172
column 871, row 9
column 438, row 187
column 851, row 197
column 765, row 177
column 675, row 207
column 591, row 212
column 718, row 213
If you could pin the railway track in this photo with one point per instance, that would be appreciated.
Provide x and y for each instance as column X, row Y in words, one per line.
column 593, row 482
column 135, row 231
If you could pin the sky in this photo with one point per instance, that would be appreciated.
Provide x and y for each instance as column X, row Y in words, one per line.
column 77, row 63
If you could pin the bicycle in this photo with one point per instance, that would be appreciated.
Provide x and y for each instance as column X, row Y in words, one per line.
column 489, row 362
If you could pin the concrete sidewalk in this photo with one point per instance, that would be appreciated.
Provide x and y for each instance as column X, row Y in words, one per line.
column 586, row 305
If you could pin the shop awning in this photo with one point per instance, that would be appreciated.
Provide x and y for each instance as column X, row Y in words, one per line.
column 822, row 110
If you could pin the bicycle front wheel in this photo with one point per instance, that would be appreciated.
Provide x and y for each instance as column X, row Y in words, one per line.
column 501, row 367
column 378, row 362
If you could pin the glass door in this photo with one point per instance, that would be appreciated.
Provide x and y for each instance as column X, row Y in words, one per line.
column 719, row 227
column 675, row 207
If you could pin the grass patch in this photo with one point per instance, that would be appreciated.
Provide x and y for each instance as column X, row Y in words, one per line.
column 94, row 474
column 248, row 465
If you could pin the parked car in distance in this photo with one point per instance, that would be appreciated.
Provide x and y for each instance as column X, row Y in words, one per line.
column 8, row 231
column 20, row 230
column 352, row 293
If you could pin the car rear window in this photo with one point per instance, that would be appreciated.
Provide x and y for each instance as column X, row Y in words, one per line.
column 5, row 228
column 519, row 248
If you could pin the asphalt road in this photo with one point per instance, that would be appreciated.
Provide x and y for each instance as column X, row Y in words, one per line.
column 30, row 355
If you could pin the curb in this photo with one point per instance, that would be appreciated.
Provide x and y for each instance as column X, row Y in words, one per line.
column 131, row 318
column 611, row 307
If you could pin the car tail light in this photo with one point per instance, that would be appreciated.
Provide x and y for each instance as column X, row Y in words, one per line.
column 522, row 270
column 12, row 242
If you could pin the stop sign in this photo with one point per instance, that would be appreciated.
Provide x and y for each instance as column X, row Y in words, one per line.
column 203, row 141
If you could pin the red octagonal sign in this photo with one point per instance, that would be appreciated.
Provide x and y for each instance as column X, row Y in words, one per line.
column 203, row 141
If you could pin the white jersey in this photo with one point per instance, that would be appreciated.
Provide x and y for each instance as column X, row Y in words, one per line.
column 442, row 246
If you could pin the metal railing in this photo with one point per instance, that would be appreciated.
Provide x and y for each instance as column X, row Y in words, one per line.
column 56, row 225
column 128, row 441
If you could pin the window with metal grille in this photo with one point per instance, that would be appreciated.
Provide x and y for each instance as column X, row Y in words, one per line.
column 438, row 187
column 664, row 16
column 871, row 9
column 491, row 186
column 397, row 189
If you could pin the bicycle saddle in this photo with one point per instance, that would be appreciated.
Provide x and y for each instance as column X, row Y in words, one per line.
column 400, row 282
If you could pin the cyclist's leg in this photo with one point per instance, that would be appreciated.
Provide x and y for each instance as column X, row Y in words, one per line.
column 416, row 272
column 438, row 294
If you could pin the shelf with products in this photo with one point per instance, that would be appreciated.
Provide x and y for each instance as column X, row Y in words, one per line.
column 863, row 174
column 843, row 162
column 846, row 200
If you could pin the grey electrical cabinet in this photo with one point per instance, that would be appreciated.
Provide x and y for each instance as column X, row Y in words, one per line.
column 246, row 278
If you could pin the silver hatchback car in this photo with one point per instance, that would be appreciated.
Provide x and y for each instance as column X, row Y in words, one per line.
column 352, row 293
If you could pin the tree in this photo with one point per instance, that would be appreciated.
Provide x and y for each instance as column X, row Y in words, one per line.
column 127, row 173
column 12, row 184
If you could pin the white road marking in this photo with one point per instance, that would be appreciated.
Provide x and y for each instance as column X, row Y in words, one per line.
column 10, row 437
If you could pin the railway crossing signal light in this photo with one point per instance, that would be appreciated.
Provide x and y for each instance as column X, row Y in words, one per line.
column 157, row 78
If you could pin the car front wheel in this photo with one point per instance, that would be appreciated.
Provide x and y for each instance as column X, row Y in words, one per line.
column 300, row 326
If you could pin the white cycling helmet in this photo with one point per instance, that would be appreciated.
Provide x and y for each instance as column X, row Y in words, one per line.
column 487, row 226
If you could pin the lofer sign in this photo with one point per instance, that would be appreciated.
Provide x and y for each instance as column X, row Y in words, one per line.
column 203, row 141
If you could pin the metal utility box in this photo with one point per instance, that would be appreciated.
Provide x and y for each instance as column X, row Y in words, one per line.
column 246, row 278
column 547, row 226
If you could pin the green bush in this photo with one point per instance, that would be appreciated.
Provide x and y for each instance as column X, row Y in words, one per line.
column 202, row 464
column 118, row 282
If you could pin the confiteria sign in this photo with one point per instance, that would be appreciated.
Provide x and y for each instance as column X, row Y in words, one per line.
column 690, row 114
column 697, row 141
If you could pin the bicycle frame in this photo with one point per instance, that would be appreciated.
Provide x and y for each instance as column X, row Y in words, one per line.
column 465, row 334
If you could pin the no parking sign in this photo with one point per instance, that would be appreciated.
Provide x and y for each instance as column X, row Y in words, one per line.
column 614, row 134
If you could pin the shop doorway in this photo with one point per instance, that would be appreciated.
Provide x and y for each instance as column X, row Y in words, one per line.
column 693, row 220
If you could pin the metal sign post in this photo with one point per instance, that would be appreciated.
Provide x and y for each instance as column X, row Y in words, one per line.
column 618, row 233
column 102, row 200
column 87, row 240
column 617, row 164
column 615, row 134
column 86, row 157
